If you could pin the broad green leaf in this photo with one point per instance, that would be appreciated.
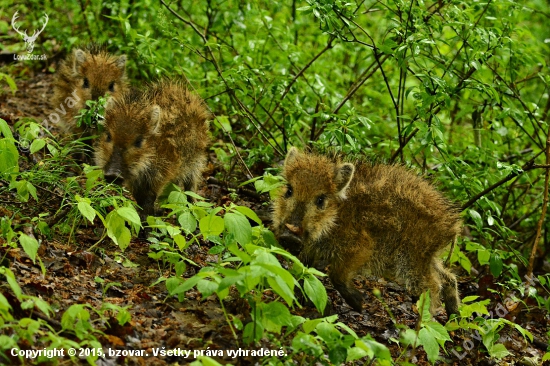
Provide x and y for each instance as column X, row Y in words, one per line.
column 437, row 330
column 86, row 210
column 495, row 264
column 275, row 316
column 373, row 347
column 338, row 355
column 5, row 129
column 9, row 158
column 249, row 213
column 30, row 246
column 310, row 325
column 316, row 292
column 186, row 286
column 180, row 268
column 130, row 214
column 180, row 241
column 253, row 332
column 211, row 225
column 428, row 341
column 476, row 217
column 37, row 145
column 187, row 222
column 281, row 288
column 172, row 283
column 238, row 225
column 498, row 351
column 355, row 353
column 10, row 277
column 206, row 287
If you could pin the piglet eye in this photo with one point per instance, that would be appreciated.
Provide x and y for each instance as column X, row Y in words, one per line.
column 107, row 137
column 288, row 193
column 320, row 202
column 112, row 86
column 86, row 83
column 138, row 142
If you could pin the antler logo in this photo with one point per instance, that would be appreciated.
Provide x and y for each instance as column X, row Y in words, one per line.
column 29, row 40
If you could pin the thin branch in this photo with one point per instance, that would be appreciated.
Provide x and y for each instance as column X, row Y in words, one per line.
column 301, row 72
column 215, row 63
column 402, row 146
column 368, row 74
column 528, row 166
column 544, row 198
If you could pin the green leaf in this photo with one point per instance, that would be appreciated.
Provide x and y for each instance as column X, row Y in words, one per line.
column 187, row 222
column 316, row 292
column 249, row 213
column 495, row 264
column 184, row 287
column 37, row 145
column 171, row 284
column 180, row 268
column 428, row 341
column 5, row 129
column 207, row 361
column 253, row 332
column 206, row 288
column 86, row 210
column 373, row 347
column 130, row 214
column 355, row 353
column 43, row 306
column 30, row 246
column 468, row 299
column 10, row 278
column 464, row 261
column 438, row 331
column 117, row 231
column 275, row 316
column 211, row 225
column 498, row 351
column 180, row 241
column 310, row 325
column 238, row 225
column 281, row 288
column 476, row 217
column 9, row 158
column 337, row 355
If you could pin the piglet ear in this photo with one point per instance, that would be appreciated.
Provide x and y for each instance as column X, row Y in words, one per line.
column 343, row 175
column 291, row 155
column 79, row 58
column 155, row 118
column 121, row 62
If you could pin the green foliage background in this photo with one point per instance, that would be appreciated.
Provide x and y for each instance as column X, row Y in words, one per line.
column 459, row 90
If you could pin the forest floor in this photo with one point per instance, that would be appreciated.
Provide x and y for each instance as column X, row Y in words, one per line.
column 161, row 322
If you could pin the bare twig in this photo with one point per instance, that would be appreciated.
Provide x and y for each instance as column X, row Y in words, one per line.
column 544, row 197
column 528, row 166
column 301, row 72
column 217, row 67
column 399, row 151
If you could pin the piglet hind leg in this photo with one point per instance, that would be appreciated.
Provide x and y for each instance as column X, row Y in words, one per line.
column 449, row 289
column 341, row 275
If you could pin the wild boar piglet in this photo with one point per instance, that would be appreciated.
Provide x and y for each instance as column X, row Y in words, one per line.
column 152, row 138
column 86, row 74
column 362, row 217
